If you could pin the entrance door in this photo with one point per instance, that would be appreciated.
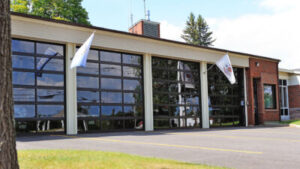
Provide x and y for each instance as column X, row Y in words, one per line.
column 284, row 105
column 255, row 82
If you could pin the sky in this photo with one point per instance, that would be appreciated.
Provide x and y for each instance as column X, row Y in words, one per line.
column 268, row 28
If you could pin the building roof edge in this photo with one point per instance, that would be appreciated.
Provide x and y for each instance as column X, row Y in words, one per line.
column 140, row 36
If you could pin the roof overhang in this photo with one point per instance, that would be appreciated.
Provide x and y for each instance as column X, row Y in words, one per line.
column 38, row 28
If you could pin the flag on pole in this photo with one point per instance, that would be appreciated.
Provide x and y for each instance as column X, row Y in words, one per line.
column 186, row 77
column 180, row 77
column 225, row 66
column 81, row 55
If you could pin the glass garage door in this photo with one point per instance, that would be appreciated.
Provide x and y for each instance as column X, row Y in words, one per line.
column 176, row 93
column 110, row 92
column 226, row 101
column 38, row 93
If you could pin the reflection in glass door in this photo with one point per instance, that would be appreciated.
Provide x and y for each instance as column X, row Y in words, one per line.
column 284, row 105
column 38, row 86
column 110, row 92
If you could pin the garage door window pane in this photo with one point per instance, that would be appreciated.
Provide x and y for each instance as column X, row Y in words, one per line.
column 110, row 57
column 111, row 97
column 24, row 111
column 23, row 78
column 132, row 85
column 87, row 82
column 88, row 96
column 50, row 80
column 52, row 64
column 51, row 111
column 131, row 59
column 110, row 70
column 24, row 94
column 109, row 83
column 110, row 111
column 131, row 71
column 23, row 62
column 22, row 46
column 50, row 95
column 43, row 47
column 87, row 111
column 90, row 68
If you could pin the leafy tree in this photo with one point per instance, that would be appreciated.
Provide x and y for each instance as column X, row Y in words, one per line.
column 49, row 9
column 21, row 6
column 197, row 31
column 8, row 152
column 74, row 12
column 68, row 10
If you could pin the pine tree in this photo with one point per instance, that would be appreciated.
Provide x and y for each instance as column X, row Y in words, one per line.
column 197, row 31
column 8, row 152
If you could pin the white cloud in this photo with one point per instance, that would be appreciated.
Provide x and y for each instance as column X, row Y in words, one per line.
column 279, row 5
column 275, row 35
column 170, row 31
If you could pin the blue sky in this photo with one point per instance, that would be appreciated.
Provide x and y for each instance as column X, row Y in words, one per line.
column 263, row 27
column 114, row 14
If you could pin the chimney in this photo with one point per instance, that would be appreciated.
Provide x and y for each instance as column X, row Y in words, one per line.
column 146, row 28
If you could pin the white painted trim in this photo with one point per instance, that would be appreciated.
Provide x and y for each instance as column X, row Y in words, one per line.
column 287, row 101
column 204, row 95
column 148, row 95
column 71, row 92
column 33, row 29
column 246, row 98
column 284, row 87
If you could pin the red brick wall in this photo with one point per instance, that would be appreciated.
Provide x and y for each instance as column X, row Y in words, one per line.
column 294, row 101
column 294, row 96
column 266, row 73
column 137, row 29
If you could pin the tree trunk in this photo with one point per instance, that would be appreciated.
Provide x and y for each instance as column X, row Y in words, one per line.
column 8, row 152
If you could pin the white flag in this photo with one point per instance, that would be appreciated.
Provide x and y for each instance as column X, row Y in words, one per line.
column 224, row 65
column 81, row 55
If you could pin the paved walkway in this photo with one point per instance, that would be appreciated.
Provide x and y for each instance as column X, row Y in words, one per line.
column 259, row 147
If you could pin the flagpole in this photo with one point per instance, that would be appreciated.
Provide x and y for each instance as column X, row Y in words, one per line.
column 210, row 67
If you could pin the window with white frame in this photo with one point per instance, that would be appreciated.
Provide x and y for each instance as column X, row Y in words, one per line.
column 283, row 94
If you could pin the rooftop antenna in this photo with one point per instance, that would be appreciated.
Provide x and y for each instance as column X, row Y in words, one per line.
column 147, row 13
column 131, row 17
column 131, row 14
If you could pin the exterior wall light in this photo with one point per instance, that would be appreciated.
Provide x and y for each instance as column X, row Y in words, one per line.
column 257, row 64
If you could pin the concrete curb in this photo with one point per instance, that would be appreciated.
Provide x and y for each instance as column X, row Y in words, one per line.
column 294, row 125
column 268, row 124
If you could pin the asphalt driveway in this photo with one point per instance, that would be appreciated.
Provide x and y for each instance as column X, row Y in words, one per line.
column 258, row 147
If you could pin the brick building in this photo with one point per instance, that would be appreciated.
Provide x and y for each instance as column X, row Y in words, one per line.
column 138, row 81
column 290, row 94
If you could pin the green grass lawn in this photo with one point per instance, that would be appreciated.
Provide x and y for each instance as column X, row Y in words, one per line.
column 297, row 122
column 82, row 159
